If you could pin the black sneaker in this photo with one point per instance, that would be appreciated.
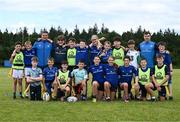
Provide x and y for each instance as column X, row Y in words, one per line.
column 108, row 99
column 170, row 97
column 153, row 99
column 14, row 95
column 21, row 97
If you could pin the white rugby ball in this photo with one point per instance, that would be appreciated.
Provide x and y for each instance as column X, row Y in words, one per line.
column 46, row 96
column 72, row 99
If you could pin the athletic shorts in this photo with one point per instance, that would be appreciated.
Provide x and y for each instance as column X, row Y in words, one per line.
column 17, row 73
column 48, row 86
column 129, row 86
column 143, row 90
column 78, row 88
column 113, row 87
column 26, row 70
column 101, row 86
column 162, row 93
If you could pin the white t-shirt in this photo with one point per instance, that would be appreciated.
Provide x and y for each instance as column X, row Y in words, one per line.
column 133, row 54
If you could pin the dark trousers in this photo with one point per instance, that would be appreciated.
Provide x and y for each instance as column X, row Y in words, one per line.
column 35, row 92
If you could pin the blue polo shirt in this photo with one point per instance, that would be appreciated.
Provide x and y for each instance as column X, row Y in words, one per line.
column 93, row 52
column 126, row 74
column 28, row 54
column 49, row 74
column 167, row 58
column 106, row 56
column 82, row 54
column 97, row 73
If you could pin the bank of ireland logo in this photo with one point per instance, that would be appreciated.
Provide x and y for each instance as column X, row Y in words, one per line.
column 159, row 75
column 62, row 79
column 71, row 54
column 118, row 55
column 18, row 59
column 144, row 78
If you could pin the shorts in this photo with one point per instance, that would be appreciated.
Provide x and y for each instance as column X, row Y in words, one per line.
column 129, row 86
column 16, row 73
column 113, row 87
column 162, row 93
column 48, row 86
column 101, row 86
column 143, row 90
column 78, row 88
column 35, row 92
column 26, row 70
column 60, row 93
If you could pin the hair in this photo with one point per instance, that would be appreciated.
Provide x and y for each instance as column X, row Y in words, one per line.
column 162, row 43
column 51, row 59
column 159, row 56
column 61, row 37
column 44, row 32
column 97, row 57
column 27, row 43
column 72, row 39
column 82, row 40
column 64, row 62
column 81, row 61
column 143, row 59
column 34, row 58
column 147, row 32
column 127, row 57
column 18, row 43
column 131, row 41
column 117, row 38
column 107, row 42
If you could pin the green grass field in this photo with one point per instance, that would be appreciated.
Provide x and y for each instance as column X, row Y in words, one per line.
column 25, row 110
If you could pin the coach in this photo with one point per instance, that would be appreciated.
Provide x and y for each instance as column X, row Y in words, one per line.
column 43, row 47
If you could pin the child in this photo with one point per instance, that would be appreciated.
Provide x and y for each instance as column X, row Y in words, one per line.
column 97, row 79
column 63, row 81
column 59, row 50
column 126, row 73
column 80, row 78
column 111, row 79
column 17, row 60
column 133, row 54
column 118, row 52
column 82, row 52
column 49, row 75
column 34, row 78
column 144, row 80
column 160, row 77
column 106, row 52
column 71, row 53
column 168, row 62
column 28, row 52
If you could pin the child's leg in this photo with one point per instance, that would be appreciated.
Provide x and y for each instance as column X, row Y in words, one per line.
column 95, row 86
column 55, row 90
column 100, row 95
column 149, row 88
column 20, row 87
column 136, row 88
column 113, row 93
column 14, row 87
column 125, row 87
column 68, row 91
column 84, row 88
column 107, row 86
column 38, row 92
column 170, row 87
column 32, row 92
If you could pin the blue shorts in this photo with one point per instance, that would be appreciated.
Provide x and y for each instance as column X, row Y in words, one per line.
column 162, row 93
column 48, row 86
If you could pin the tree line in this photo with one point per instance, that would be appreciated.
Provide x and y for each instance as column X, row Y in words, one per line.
column 8, row 39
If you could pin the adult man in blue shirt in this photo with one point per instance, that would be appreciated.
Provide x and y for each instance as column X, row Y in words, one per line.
column 43, row 47
column 148, row 49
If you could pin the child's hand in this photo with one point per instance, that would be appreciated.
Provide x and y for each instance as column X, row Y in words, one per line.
column 14, row 52
column 159, row 88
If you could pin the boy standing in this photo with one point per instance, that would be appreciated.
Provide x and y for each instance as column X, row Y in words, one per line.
column 17, row 60
column 34, row 78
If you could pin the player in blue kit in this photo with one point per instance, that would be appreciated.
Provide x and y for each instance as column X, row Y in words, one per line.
column 82, row 52
column 28, row 53
column 126, row 73
column 168, row 63
column 50, row 75
column 97, row 79
column 111, row 79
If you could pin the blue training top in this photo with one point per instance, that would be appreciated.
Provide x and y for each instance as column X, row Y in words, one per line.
column 28, row 54
column 43, row 51
column 167, row 58
column 49, row 74
column 93, row 52
column 126, row 74
column 97, row 73
column 147, row 50
column 82, row 54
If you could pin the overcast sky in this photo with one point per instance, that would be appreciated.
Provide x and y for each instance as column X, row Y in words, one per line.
column 118, row 15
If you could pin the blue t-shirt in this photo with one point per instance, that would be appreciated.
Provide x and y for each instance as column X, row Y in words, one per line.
column 167, row 58
column 127, row 73
column 49, row 74
column 43, row 50
column 82, row 54
column 93, row 52
column 111, row 74
column 147, row 50
column 106, row 56
column 28, row 54
column 97, row 73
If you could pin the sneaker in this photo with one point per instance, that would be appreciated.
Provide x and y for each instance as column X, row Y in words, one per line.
column 108, row 99
column 21, row 97
column 153, row 99
column 94, row 100
column 14, row 96
column 83, row 98
column 126, row 100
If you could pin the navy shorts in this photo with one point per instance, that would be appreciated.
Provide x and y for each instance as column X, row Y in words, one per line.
column 162, row 93
column 101, row 86
column 143, row 90
column 48, row 85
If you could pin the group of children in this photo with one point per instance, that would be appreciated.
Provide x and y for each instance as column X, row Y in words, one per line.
column 113, row 69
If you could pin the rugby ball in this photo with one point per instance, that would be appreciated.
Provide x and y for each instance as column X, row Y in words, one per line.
column 46, row 96
column 72, row 99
